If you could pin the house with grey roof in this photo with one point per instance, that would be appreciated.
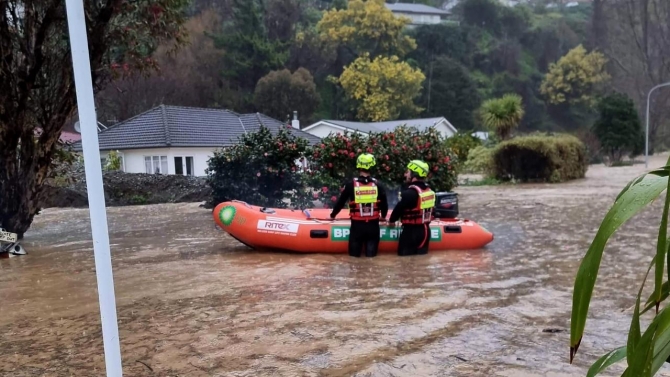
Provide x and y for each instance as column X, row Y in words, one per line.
column 325, row 127
column 180, row 140
column 420, row 14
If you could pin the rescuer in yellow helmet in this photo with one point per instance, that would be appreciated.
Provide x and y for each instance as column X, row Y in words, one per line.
column 414, row 211
column 367, row 206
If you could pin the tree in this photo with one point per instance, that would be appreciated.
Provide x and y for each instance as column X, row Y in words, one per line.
column 280, row 92
column 36, row 91
column 503, row 115
column 366, row 26
column 451, row 93
column 635, row 36
column 334, row 160
column 249, row 53
column 441, row 40
column 260, row 169
column 618, row 127
column 383, row 87
column 576, row 77
column 190, row 77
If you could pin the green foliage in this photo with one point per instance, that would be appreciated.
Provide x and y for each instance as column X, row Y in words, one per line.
column 540, row 158
column 618, row 128
column 280, row 92
column 450, row 92
column 480, row 161
column 441, row 40
column 576, row 77
column 249, row 52
column 113, row 161
column 366, row 27
column 334, row 160
column 382, row 88
column 646, row 351
column 461, row 144
column 502, row 115
column 260, row 169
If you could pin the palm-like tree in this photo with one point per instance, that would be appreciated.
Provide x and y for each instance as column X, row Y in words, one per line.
column 503, row 115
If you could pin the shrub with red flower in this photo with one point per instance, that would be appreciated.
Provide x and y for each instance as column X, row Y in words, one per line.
column 334, row 160
column 261, row 169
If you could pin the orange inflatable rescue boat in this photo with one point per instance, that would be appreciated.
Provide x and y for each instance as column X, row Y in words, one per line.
column 312, row 231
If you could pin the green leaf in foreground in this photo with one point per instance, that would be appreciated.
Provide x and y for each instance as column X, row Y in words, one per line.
column 634, row 334
column 630, row 201
column 606, row 360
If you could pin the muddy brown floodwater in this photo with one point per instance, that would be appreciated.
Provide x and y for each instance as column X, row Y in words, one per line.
column 192, row 301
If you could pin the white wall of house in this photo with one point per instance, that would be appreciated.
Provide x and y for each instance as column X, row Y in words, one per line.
column 193, row 161
column 420, row 19
column 324, row 129
column 135, row 160
column 444, row 129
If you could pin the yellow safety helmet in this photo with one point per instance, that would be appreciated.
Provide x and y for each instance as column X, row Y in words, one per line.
column 365, row 161
column 419, row 167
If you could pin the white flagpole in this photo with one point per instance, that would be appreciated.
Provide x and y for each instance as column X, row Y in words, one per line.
column 96, row 197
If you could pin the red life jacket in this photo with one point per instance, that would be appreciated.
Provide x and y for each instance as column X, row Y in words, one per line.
column 365, row 206
column 422, row 213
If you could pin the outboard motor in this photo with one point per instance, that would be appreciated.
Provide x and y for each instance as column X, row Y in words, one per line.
column 446, row 205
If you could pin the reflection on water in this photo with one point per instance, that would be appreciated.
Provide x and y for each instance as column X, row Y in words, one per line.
column 192, row 301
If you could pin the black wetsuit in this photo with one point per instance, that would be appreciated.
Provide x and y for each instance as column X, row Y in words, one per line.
column 362, row 234
column 414, row 238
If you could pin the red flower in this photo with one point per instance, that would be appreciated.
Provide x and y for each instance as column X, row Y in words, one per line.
column 352, row 154
column 323, row 146
column 330, row 164
column 333, row 198
column 387, row 156
column 324, row 189
column 388, row 168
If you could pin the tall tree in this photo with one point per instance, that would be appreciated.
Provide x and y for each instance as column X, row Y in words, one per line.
column 635, row 36
column 450, row 92
column 190, row 77
column 382, row 87
column 618, row 128
column 367, row 27
column 279, row 93
column 249, row 52
column 37, row 94
column 576, row 77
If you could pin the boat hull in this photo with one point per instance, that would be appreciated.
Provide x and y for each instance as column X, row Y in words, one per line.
column 311, row 231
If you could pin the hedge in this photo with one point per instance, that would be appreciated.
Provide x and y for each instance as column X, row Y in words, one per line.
column 540, row 158
column 334, row 160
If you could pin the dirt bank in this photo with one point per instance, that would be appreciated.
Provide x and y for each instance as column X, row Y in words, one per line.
column 194, row 302
column 128, row 189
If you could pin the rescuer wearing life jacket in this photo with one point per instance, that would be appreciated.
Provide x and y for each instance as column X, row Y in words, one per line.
column 414, row 211
column 367, row 206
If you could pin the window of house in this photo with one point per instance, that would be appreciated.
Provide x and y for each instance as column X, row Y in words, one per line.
column 183, row 165
column 156, row 164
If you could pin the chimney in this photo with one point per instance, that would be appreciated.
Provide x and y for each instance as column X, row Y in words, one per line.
column 295, row 123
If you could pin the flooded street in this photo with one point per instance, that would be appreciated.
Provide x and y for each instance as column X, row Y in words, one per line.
column 192, row 301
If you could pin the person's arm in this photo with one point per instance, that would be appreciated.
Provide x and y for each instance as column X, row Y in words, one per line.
column 383, row 201
column 408, row 201
column 342, row 200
